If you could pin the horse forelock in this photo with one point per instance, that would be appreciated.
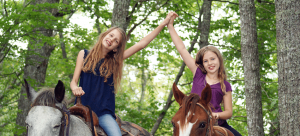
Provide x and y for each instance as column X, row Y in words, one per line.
column 189, row 104
column 45, row 97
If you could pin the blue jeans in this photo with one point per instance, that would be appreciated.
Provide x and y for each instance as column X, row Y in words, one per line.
column 109, row 125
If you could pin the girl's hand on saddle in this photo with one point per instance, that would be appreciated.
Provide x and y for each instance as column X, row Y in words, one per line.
column 78, row 91
column 216, row 115
column 169, row 17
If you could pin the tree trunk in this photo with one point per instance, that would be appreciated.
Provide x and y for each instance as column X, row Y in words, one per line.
column 251, row 68
column 205, row 24
column 36, row 63
column 288, row 51
column 143, row 83
column 120, row 13
column 203, row 28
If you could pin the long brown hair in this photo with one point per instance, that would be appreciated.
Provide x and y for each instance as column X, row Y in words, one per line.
column 221, row 74
column 113, row 62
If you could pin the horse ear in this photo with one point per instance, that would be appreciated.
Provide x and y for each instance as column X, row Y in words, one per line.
column 177, row 94
column 59, row 91
column 206, row 94
column 31, row 93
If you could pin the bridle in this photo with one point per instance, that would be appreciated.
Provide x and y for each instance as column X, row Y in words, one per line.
column 65, row 120
column 209, row 120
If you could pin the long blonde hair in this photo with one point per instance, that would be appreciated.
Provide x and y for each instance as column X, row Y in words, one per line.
column 113, row 62
column 221, row 74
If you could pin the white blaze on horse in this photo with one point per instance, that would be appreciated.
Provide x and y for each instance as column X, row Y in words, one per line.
column 194, row 117
column 49, row 116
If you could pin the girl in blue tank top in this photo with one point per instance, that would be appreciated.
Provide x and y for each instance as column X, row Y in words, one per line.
column 100, row 72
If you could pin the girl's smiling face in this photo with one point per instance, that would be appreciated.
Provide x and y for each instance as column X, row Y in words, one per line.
column 112, row 40
column 211, row 62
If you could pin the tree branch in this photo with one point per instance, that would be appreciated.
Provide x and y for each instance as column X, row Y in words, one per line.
column 3, row 55
column 227, row 47
column 135, row 25
column 227, row 1
column 25, row 5
column 5, row 8
column 3, row 125
column 267, row 2
column 133, row 9
column 266, row 9
column 268, row 52
column 235, row 80
column 239, row 120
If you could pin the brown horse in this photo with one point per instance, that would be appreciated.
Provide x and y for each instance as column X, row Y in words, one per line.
column 194, row 117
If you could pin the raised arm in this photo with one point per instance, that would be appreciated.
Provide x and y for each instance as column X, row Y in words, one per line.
column 146, row 40
column 186, row 56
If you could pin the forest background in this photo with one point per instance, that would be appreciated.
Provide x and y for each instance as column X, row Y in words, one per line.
column 53, row 38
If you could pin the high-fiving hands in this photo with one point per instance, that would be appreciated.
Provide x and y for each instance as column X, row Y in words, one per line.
column 171, row 16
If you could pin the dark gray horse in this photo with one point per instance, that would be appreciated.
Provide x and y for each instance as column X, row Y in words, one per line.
column 48, row 116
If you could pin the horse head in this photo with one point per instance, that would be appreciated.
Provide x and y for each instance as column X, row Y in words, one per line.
column 194, row 115
column 47, row 97
column 46, row 116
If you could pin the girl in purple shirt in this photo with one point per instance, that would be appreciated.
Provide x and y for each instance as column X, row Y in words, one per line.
column 208, row 68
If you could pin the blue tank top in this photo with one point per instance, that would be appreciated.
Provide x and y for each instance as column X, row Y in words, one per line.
column 98, row 94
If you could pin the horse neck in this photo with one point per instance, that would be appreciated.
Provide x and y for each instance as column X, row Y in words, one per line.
column 78, row 127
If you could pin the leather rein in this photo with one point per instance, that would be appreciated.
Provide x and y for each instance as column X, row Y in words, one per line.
column 209, row 120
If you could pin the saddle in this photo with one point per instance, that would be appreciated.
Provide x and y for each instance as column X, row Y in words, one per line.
column 83, row 112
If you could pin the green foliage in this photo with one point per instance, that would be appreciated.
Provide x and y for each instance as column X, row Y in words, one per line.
column 160, row 61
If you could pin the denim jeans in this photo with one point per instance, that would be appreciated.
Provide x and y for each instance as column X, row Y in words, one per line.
column 109, row 125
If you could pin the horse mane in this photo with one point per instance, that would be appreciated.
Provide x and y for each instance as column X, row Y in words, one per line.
column 46, row 97
column 188, row 104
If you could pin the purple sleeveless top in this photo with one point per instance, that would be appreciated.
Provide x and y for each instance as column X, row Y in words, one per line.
column 199, row 83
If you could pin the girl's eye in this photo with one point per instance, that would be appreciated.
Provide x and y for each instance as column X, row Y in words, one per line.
column 111, row 35
column 213, row 59
column 205, row 61
column 117, row 42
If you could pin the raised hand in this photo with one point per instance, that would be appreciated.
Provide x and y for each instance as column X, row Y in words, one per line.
column 172, row 19
column 169, row 18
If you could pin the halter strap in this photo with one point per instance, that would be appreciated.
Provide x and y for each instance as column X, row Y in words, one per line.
column 209, row 120
column 65, row 120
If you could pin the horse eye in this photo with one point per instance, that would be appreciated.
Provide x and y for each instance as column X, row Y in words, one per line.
column 56, row 126
column 202, row 125
column 27, row 126
column 173, row 124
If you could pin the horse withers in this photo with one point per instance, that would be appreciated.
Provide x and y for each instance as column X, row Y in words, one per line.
column 49, row 116
column 194, row 117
